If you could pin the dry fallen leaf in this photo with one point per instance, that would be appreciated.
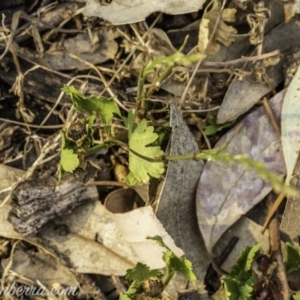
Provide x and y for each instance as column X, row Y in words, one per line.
column 243, row 94
column 291, row 8
column 130, row 11
column 93, row 240
column 290, row 125
column 290, row 219
column 290, row 130
column 224, row 33
column 94, row 49
column 42, row 266
column 176, row 208
column 227, row 191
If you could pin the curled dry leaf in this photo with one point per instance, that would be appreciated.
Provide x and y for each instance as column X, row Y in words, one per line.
column 224, row 33
column 225, row 192
column 130, row 11
column 120, row 200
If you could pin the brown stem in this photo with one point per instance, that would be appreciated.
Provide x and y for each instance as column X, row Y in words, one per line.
column 276, row 255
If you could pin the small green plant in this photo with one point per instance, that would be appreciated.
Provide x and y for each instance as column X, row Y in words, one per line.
column 146, row 159
column 212, row 127
column 239, row 283
column 296, row 296
column 292, row 257
column 152, row 282
column 251, row 274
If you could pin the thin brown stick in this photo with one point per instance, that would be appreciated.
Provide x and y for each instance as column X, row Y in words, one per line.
column 272, row 211
column 32, row 125
column 276, row 255
column 105, row 183
column 240, row 60
column 271, row 116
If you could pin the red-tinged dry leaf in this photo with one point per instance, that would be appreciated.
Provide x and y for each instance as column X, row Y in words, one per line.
column 225, row 192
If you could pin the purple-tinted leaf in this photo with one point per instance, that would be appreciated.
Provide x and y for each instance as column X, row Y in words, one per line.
column 225, row 192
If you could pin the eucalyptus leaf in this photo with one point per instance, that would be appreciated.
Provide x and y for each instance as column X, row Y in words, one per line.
column 176, row 209
column 228, row 191
column 290, row 125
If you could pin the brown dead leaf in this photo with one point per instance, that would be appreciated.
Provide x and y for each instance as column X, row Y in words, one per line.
column 223, row 33
column 290, row 9
column 41, row 265
column 130, row 11
column 93, row 240
column 94, row 49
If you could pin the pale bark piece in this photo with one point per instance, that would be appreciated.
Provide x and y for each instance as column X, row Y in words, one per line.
column 88, row 239
column 35, row 202
column 176, row 208
column 120, row 12
column 243, row 94
column 94, row 240
column 139, row 224
column 228, row 191
column 290, row 125
column 290, row 219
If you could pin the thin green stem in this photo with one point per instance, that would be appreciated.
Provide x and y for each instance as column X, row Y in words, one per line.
column 140, row 88
column 168, row 278
column 96, row 148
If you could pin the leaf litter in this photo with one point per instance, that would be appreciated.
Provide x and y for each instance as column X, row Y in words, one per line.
column 87, row 239
column 225, row 192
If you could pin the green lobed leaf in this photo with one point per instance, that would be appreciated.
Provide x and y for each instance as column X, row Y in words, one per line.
column 235, row 291
column 141, row 272
column 69, row 160
column 253, row 253
column 173, row 262
column 140, row 168
column 158, row 239
column 243, row 265
column 297, row 296
column 124, row 296
column 129, row 122
column 292, row 259
column 231, row 288
column 176, row 264
column 135, row 288
column 100, row 106
column 245, row 291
